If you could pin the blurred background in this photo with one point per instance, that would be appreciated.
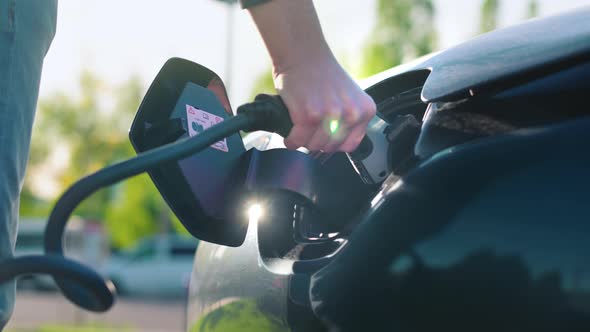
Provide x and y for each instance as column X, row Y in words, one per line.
column 102, row 60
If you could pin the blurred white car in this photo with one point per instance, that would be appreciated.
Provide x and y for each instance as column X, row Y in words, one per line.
column 157, row 266
column 84, row 242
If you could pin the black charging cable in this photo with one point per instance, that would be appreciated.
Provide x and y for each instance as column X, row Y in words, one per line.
column 82, row 285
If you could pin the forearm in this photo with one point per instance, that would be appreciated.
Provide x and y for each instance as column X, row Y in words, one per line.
column 313, row 85
column 291, row 32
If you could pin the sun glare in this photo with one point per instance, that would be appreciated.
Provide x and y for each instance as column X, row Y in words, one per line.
column 255, row 211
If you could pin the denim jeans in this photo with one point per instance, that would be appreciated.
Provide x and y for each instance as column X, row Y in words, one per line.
column 27, row 28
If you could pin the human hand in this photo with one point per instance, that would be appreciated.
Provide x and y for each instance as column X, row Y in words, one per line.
column 329, row 111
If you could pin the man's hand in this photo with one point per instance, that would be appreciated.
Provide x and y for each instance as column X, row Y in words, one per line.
column 328, row 109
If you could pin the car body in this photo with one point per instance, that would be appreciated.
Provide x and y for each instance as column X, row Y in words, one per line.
column 156, row 266
column 487, row 230
column 84, row 242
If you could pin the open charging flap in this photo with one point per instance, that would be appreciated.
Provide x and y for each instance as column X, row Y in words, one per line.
column 210, row 191
column 183, row 100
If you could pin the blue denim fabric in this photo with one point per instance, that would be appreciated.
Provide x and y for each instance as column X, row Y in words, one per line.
column 27, row 28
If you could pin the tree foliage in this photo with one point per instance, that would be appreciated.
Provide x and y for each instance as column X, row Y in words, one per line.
column 532, row 9
column 263, row 84
column 93, row 129
column 490, row 11
column 404, row 30
column 489, row 16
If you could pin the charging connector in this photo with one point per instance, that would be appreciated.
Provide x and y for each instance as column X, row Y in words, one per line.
column 80, row 284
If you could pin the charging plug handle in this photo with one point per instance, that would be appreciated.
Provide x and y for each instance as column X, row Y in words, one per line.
column 268, row 113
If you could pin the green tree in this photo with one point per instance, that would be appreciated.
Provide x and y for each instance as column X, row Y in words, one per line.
column 263, row 84
column 94, row 132
column 489, row 16
column 404, row 30
column 532, row 9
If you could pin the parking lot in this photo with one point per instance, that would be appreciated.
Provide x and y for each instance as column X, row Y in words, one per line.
column 37, row 311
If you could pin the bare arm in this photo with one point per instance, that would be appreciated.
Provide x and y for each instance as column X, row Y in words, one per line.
column 313, row 85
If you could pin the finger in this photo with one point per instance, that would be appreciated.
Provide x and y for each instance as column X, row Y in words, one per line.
column 304, row 123
column 334, row 140
column 341, row 131
column 358, row 131
column 326, row 131
column 354, row 138
column 299, row 136
column 319, row 139
column 351, row 116
column 335, row 143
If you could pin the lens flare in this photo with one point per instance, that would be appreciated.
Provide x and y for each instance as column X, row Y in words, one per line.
column 334, row 126
column 255, row 211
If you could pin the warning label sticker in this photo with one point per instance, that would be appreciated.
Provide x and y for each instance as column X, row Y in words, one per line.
column 199, row 121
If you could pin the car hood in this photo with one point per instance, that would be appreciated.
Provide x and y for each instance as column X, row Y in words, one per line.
column 502, row 58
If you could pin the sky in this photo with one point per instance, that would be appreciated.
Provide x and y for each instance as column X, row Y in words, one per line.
column 116, row 39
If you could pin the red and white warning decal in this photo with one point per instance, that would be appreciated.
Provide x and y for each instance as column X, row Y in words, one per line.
column 199, row 121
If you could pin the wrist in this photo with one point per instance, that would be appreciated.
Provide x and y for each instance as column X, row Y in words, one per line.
column 321, row 56
column 292, row 33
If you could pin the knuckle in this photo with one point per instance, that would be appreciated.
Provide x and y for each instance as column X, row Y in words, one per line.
column 313, row 117
column 329, row 149
column 369, row 112
column 314, row 147
column 368, row 103
column 297, row 118
column 348, row 148
column 353, row 143
column 350, row 115
column 345, row 147
column 291, row 144
column 317, row 145
column 333, row 112
column 371, row 108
